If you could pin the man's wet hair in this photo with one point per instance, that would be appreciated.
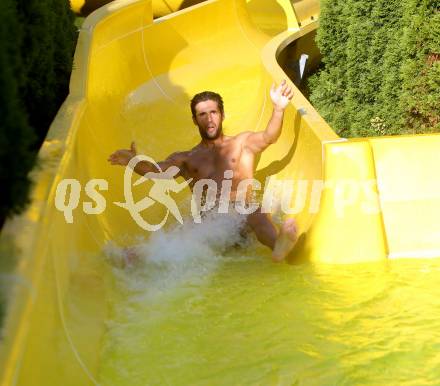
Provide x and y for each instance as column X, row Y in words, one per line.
column 206, row 96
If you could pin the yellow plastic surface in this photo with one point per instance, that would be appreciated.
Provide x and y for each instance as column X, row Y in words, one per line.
column 133, row 80
column 160, row 7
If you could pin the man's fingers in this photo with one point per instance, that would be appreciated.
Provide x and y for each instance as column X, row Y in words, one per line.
column 133, row 147
column 113, row 158
column 287, row 91
column 284, row 90
column 281, row 88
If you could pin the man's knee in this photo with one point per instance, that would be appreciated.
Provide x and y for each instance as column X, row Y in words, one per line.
column 259, row 219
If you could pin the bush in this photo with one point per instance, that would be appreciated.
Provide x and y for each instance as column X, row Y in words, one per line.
column 37, row 40
column 16, row 135
column 380, row 71
column 420, row 99
column 47, row 49
column 329, row 89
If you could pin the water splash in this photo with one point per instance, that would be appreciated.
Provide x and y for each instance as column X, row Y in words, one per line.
column 183, row 256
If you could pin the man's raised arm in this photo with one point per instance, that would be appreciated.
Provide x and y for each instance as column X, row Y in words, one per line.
column 281, row 97
column 123, row 156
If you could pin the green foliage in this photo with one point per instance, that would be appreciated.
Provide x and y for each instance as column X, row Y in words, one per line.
column 329, row 88
column 47, row 50
column 380, row 72
column 420, row 100
column 16, row 135
column 37, row 40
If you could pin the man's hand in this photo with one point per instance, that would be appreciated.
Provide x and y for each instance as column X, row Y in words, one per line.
column 281, row 95
column 123, row 156
column 260, row 140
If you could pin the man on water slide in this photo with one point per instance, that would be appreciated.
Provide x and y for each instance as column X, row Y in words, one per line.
column 217, row 153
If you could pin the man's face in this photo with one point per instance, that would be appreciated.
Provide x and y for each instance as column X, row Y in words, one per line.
column 209, row 119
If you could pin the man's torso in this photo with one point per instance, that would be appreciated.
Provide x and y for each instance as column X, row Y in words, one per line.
column 211, row 162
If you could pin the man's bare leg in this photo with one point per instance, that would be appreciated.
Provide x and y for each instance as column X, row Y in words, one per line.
column 280, row 242
column 263, row 228
column 286, row 240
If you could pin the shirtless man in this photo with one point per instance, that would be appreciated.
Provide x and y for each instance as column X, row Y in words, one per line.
column 217, row 153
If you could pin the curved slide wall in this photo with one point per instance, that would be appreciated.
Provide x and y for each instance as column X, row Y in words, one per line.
column 160, row 7
column 133, row 80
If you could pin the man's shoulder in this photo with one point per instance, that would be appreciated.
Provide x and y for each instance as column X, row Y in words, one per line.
column 249, row 140
column 242, row 136
column 238, row 140
column 179, row 156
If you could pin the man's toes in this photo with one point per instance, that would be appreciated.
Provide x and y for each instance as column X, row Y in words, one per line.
column 290, row 228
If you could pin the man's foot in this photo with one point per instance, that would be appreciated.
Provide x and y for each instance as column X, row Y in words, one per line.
column 130, row 257
column 286, row 240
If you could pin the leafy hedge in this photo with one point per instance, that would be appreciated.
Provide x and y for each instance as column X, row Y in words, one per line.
column 380, row 70
column 37, row 41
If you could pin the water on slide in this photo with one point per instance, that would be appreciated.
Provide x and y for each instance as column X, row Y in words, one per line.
column 193, row 313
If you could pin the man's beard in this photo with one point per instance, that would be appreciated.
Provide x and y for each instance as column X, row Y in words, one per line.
column 204, row 134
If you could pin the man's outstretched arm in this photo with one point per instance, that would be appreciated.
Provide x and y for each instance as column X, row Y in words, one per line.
column 259, row 141
column 123, row 156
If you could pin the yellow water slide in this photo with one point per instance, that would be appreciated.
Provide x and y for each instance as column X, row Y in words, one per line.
column 160, row 7
column 133, row 79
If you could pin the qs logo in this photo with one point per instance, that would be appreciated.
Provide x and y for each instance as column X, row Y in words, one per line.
column 163, row 184
column 69, row 191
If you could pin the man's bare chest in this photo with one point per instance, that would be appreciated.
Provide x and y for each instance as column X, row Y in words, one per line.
column 211, row 163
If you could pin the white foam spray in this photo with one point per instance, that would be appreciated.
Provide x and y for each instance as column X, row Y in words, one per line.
column 184, row 256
